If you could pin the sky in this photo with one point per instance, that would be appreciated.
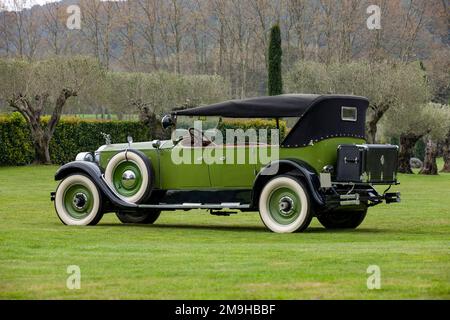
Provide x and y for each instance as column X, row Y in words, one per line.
column 10, row 4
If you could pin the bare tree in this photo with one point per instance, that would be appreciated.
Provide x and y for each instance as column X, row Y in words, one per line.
column 127, row 19
column 148, row 29
column 298, row 17
column 5, row 31
column 229, row 37
column 176, row 12
column 91, row 28
column 99, row 20
column 53, row 24
column 30, row 88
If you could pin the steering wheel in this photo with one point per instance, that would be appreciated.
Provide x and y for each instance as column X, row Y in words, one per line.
column 198, row 137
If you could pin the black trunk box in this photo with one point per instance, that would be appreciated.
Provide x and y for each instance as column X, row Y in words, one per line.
column 368, row 163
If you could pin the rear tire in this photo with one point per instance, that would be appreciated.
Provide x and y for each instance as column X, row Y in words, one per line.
column 284, row 205
column 148, row 217
column 343, row 220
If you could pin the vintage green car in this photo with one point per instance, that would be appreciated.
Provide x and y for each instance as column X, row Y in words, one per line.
column 300, row 156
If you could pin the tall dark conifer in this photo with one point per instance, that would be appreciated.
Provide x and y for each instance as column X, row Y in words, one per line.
column 275, row 84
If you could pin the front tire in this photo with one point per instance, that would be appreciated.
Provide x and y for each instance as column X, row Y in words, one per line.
column 343, row 220
column 78, row 201
column 148, row 217
column 284, row 205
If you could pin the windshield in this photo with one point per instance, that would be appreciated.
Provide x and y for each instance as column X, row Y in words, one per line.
column 204, row 124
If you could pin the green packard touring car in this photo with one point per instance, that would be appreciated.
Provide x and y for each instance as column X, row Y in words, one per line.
column 290, row 157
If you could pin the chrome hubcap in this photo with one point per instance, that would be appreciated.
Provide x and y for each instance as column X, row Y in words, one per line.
column 80, row 200
column 286, row 205
column 128, row 179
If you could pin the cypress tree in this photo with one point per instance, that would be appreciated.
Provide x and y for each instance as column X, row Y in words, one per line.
column 275, row 84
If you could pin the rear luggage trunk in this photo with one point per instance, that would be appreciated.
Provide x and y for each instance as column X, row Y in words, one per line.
column 367, row 163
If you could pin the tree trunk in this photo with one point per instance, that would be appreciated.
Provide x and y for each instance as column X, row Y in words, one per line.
column 446, row 153
column 41, row 149
column 377, row 113
column 407, row 143
column 32, row 111
column 371, row 131
column 429, row 164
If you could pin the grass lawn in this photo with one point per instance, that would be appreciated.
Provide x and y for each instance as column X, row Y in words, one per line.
column 193, row 255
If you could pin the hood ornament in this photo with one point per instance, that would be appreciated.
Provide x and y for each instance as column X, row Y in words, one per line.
column 107, row 137
column 382, row 160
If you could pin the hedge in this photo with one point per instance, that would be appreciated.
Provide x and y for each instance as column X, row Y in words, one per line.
column 72, row 135
column 257, row 124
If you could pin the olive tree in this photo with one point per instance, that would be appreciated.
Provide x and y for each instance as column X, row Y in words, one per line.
column 386, row 85
column 43, row 87
column 441, row 116
column 153, row 94
column 413, row 122
column 161, row 90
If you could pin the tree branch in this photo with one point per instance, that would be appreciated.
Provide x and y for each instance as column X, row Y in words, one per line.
column 56, row 115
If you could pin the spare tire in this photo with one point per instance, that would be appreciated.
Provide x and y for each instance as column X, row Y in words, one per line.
column 130, row 174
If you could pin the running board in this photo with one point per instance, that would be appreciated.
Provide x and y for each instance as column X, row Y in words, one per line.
column 185, row 206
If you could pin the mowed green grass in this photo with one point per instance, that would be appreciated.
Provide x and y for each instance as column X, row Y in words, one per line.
column 193, row 255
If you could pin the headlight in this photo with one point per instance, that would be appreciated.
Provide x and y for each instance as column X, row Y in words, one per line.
column 85, row 156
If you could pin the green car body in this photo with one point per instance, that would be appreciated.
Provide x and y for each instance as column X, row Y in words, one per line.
column 203, row 176
column 321, row 168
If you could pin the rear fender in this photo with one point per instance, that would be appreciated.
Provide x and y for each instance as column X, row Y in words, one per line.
column 292, row 167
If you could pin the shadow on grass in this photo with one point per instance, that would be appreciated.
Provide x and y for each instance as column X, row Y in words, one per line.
column 237, row 228
column 361, row 230
column 186, row 226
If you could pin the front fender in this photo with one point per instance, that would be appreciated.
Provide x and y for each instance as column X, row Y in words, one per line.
column 89, row 168
column 294, row 166
column 93, row 171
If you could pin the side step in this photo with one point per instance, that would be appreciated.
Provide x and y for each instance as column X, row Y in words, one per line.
column 186, row 206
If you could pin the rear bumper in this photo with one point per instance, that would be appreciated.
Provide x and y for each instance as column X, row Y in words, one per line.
column 355, row 196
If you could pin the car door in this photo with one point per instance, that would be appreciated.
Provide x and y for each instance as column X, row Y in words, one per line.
column 231, row 166
column 181, row 167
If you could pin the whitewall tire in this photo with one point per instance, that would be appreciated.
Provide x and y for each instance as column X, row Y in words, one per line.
column 78, row 201
column 129, row 174
column 284, row 205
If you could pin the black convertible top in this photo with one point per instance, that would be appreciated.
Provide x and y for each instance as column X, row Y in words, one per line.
column 286, row 105
column 320, row 116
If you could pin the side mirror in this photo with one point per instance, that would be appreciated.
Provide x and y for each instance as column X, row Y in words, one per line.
column 167, row 122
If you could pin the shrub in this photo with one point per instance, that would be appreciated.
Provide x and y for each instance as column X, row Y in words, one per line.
column 256, row 124
column 71, row 136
